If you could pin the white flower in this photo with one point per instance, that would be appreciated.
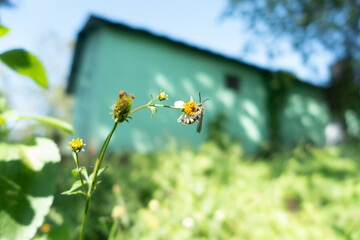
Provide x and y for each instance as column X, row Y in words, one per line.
column 153, row 204
column 188, row 222
column 220, row 215
column 188, row 108
column 179, row 104
column 117, row 211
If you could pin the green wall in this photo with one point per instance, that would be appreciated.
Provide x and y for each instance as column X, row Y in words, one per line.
column 267, row 108
column 115, row 60
column 304, row 116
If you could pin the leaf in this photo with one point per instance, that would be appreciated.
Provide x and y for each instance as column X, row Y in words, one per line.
column 73, row 192
column 97, row 183
column 85, row 174
column 153, row 110
column 75, row 172
column 3, row 30
column 55, row 122
column 77, row 184
column 25, row 63
column 101, row 170
column 8, row 115
column 27, row 185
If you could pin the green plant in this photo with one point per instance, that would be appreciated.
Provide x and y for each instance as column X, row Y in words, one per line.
column 122, row 111
column 27, row 168
column 216, row 193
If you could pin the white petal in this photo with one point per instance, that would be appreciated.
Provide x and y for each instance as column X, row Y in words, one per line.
column 179, row 104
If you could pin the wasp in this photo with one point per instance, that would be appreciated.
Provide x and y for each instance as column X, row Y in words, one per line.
column 198, row 115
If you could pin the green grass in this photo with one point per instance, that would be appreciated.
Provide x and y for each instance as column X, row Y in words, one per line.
column 212, row 193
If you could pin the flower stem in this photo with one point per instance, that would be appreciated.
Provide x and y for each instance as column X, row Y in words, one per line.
column 165, row 106
column 93, row 180
column 100, row 158
column 76, row 157
column 144, row 106
column 86, row 211
column 99, row 161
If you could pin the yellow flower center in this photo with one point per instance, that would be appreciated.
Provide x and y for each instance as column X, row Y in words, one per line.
column 190, row 108
column 76, row 144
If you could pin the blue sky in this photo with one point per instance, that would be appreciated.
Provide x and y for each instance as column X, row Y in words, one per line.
column 196, row 22
column 48, row 28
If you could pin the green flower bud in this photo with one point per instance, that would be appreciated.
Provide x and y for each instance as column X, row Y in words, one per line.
column 162, row 96
column 122, row 107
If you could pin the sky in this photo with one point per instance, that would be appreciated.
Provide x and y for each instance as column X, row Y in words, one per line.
column 49, row 28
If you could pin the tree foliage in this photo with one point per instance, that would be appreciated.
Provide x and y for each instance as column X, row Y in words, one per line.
column 308, row 24
column 333, row 23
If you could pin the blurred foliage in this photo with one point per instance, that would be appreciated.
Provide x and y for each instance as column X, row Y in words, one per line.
column 217, row 131
column 333, row 23
column 25, row 63
column 26, row 186
column 308, row 25
column 217, row 193
column 27, row 168
column 279, row 85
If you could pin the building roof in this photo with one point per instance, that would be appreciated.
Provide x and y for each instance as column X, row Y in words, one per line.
column 95, row 22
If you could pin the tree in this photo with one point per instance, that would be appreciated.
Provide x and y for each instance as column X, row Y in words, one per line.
column 335, row 24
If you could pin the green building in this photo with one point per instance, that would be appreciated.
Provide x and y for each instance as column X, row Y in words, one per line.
column 253, row 104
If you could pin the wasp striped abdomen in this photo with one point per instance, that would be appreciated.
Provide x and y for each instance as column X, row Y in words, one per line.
column 189, row 121
column 193, row 112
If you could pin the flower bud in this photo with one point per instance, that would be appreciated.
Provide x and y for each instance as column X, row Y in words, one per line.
column 122, row 107
column 162, row 96
column 76, row 145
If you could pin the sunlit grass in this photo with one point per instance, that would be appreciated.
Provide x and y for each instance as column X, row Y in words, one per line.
column 216, row 193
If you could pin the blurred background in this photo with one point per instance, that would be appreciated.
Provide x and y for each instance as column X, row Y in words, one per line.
column 278, row 154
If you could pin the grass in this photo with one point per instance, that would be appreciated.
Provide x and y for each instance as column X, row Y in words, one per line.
column 217, row 193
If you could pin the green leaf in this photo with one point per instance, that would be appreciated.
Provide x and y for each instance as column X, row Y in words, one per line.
column 153, row 110
column 85, row 174
column 8, row 115
column 27, row 185
column 73, row 192
column 3, row 30
column 101, row 170
column 75, row 172
column 73, row 189
column 55, row 122
column 97, row 183
column 26, row 64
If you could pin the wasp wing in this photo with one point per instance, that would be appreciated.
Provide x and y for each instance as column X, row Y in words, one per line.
column 183, row 116
column 198, row 127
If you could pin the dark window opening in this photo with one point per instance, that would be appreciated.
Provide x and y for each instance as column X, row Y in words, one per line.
column 232, row 82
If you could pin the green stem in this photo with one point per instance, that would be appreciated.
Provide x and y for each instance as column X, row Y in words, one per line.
column 113, row 229
column 76, row 157
column 99, row 161
column 165, row 106
column 93, row 181
column 144, row 106
column 86, row 212
column 100, row 158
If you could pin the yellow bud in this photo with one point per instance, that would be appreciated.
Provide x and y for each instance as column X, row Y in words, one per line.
column 76, row 145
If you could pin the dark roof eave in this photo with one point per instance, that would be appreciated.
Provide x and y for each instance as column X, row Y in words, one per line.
column 95, row 22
